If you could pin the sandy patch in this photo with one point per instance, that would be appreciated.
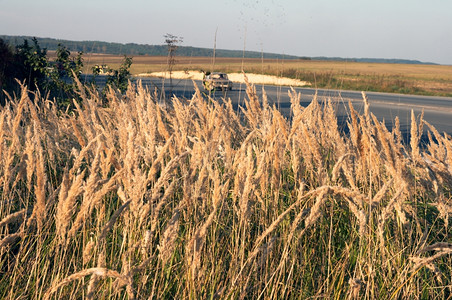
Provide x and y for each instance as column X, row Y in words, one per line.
column 234, row 77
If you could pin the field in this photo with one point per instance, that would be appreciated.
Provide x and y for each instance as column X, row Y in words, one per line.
column 134, row 199
column 399, row 78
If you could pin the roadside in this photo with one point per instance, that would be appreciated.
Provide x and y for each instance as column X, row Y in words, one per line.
column 413, row 79
column 234, row 77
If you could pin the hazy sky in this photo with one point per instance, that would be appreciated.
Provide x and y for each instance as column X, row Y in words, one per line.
column 410, row 29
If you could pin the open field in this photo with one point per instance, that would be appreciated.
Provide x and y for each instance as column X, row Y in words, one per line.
column 400, row 78
column 130, row 198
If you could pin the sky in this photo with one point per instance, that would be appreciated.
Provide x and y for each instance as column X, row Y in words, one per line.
column 403, row 29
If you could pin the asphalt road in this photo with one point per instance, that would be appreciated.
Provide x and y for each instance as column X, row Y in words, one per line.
column 437, row 110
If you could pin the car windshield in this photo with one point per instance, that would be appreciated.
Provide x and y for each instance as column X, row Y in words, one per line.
column 219, row 76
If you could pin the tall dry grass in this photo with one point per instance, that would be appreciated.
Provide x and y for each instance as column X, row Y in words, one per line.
column 132, row 199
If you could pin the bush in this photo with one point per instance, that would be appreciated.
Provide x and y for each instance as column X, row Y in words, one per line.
column 57, row 80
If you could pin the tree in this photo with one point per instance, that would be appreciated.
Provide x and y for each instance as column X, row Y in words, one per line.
column 63, row 73
column 66, row 65
column 31, row 63
column 120, row 78
column 6, row 68
column 172, row 43
column 26, row 63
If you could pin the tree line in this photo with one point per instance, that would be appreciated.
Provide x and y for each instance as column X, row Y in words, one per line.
column 143, row 49
column 162, row 50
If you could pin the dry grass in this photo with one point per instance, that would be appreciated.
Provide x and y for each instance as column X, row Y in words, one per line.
column 133, row 199
column 401, row 78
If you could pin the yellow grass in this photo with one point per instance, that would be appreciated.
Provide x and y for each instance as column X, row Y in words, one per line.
column 124, row 197
column 405, row 78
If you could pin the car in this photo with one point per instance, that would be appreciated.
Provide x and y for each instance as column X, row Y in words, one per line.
column 216, row 80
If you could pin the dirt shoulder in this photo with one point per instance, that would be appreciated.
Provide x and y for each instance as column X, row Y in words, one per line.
column 234, row 77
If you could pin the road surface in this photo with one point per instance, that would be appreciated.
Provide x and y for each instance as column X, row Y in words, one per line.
column 385, row 106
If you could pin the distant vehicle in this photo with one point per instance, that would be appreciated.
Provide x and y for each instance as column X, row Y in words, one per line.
column 216, row 80
column 101, row 70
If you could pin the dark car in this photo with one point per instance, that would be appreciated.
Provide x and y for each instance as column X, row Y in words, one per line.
column 217, row 80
